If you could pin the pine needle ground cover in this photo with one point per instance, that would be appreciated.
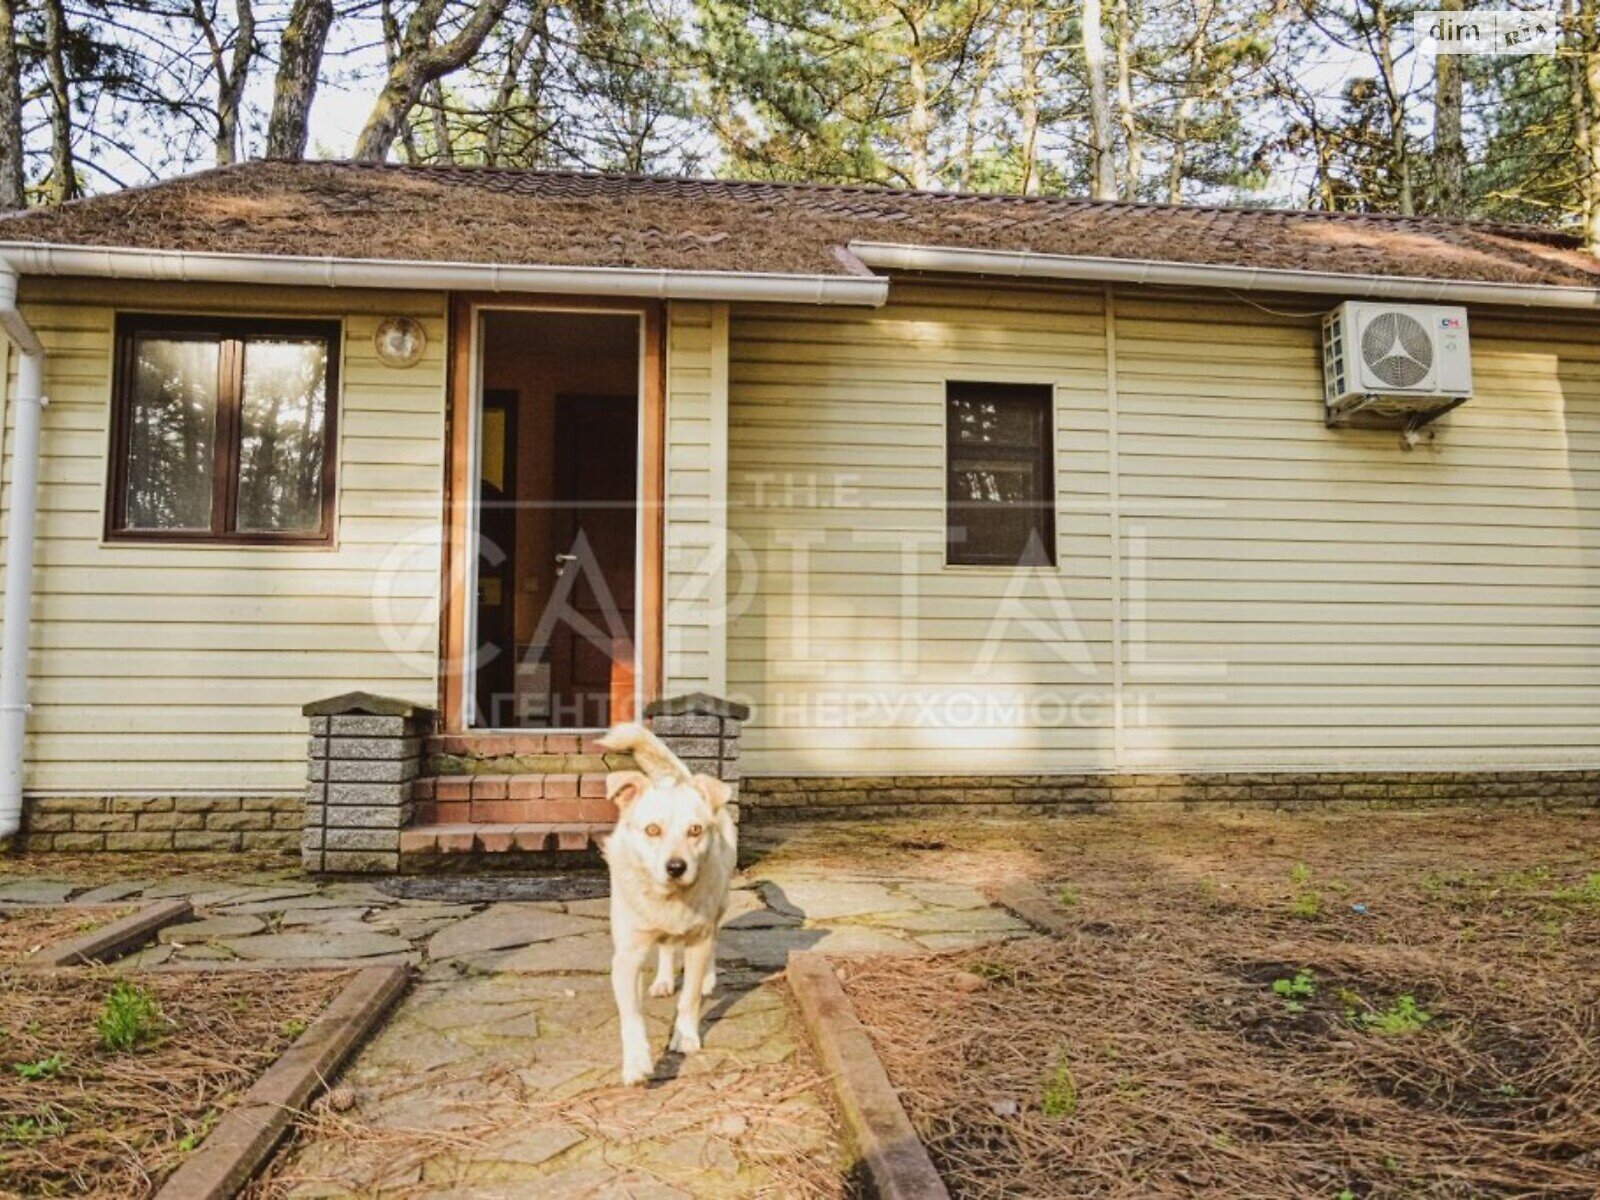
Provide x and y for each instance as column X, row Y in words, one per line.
column 1261, row 1006
column 24, row 931
column 108, row 1081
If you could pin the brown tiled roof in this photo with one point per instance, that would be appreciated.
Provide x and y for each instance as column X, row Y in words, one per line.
column 466, row 214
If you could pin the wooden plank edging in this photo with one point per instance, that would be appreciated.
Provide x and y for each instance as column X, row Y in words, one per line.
column 114, row 939
column 1025, row 899
column 240, row 1143
column 897, row 1163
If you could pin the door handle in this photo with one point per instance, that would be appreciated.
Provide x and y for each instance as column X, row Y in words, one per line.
column 562, row 560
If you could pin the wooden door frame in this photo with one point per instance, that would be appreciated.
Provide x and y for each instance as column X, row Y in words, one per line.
column 462, row 387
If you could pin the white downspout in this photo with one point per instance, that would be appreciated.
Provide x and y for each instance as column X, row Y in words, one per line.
column 19, row 552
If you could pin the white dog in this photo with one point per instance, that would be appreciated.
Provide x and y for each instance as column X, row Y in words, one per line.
column 671, row 857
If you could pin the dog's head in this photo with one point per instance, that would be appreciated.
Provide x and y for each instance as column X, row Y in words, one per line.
column 669, row 824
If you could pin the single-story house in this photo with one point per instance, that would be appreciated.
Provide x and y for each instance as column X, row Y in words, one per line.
column 894, row 498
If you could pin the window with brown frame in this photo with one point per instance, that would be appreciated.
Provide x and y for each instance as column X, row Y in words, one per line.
column 1000, row 495
column 223, row 430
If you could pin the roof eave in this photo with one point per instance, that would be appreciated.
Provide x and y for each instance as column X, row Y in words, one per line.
column 181, row 266
column 1024, row 264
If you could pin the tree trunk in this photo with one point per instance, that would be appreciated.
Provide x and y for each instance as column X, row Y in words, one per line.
column 1398, row 148
column 443, row 149
column 1133, row 146
column 1591, row 87
column 921, row 126
column 299, row 65
column 13, row 194
column 232, row 73
column 1190, row 101
column 1578, row 105
column 494, row 135
column 418, row 64
column 1028, row 103
column 63, row 167
column 1449, row 153
column 1102, row 169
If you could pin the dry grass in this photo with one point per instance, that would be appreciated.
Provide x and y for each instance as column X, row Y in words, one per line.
column 26, row 931
column 1149, row 1055
column 77, row 1119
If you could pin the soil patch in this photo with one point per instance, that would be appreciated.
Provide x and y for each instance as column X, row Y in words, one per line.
column 107, row 1080
column 1266, row 1006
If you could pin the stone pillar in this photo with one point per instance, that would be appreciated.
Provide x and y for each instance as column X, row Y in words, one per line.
column 703, row 731
column 365, row 751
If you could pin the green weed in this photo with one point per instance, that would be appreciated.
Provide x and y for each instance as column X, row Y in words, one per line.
column 995, row 972
column 45, row 1068
column 1060, row 1095
column 197, row 1134
column 128, row 1019
column 1307, row 906
column 1067, row 896
column 1405, row 1015
column 31, row 1129
column 1292, row 991
column 294, row 1027
column 1587, row 892
column 1303, row 903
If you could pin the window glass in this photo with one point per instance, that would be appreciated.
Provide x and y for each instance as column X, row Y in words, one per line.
column 171, row 439
column 224, row 429
column 282, row 422
column 1000, row 495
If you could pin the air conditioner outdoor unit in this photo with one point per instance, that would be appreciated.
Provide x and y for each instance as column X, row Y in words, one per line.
column 1394, row 366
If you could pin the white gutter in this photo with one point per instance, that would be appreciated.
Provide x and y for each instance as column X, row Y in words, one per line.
column 1024, row 264
column 14, row 635
column 260, row 269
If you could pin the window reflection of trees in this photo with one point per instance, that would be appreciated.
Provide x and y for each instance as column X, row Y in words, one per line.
column 171, row 435
column 1001, row 479
column 282, row 410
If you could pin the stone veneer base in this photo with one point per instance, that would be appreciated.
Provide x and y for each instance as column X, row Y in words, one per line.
column 79, row 824
column 778, row 798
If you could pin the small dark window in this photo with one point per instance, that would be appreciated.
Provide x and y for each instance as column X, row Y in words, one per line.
column 223, row 430
column 1000, row 495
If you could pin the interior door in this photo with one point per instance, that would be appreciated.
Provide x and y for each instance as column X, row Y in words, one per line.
column 596, row 522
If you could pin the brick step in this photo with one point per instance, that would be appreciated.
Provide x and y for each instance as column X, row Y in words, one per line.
column 519, row 754
column 561, row 799
column 533, row 837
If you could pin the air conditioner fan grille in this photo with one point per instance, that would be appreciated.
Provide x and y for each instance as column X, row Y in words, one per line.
column 1397, row 349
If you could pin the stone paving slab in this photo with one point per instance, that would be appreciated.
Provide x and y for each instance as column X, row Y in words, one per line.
column 211, row 929
column 506, row 926
column 316, row 944
column 35, row 891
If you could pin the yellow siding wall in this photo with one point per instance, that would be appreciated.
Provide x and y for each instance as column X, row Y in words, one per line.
column 697, row 472
column 163, row 668
column 1290, row 596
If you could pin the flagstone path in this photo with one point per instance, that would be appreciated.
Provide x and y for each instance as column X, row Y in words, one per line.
column 497, row 1074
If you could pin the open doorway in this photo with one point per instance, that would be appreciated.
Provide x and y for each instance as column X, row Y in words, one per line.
column 557, row 520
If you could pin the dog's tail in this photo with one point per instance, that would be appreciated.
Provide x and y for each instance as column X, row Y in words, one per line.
column 652, row 755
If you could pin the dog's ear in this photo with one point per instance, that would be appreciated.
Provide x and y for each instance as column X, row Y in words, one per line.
column 624, row 787
column 715, row 791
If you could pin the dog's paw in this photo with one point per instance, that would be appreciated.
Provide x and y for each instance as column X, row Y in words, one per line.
column 685, row 1039
column 662, row 987
column 636, row 1069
